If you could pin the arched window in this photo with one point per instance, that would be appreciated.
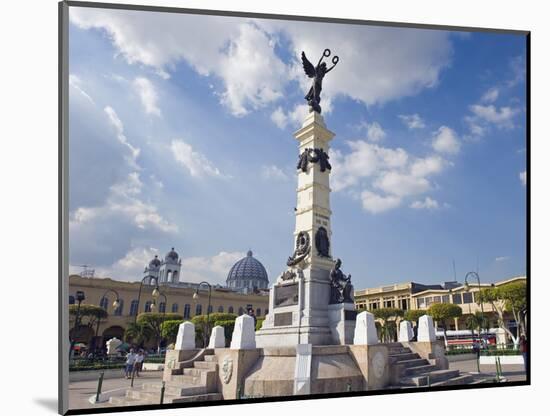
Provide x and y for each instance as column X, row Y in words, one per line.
column 134, row 308
column 175, row 276
column 187, row 311
column 198, row 309
column 241, row 311
column 220, row 309
column 148, row 306
column 258, row 312
column 174, row 308
column 162, row 307
column 71, row 300
column 104, row 302
column 118, row 311
column 230, row 309
column 210, row 308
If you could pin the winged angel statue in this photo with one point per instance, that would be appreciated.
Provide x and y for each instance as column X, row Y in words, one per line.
column 318, row 72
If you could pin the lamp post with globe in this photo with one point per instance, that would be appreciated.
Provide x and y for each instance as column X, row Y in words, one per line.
column 206, row 333
column 116, row 304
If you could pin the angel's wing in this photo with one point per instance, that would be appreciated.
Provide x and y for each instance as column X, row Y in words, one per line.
column 308, row 66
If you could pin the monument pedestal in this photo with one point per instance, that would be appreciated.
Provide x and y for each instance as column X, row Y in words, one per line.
column 341, row 318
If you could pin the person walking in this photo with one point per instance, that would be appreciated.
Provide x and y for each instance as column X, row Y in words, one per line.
column 253, row 315
column 138, row 365
column 130, row 361
column 523, row 347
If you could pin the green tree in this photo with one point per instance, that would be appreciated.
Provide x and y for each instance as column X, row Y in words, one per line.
column 137, row 333
column 202, row 328
column 169, row 329
column 442, row 312
column 413, row 315
column 388, row 325
column 512, row 298
column 88, row 314
column 154, row 320
column 228, row 327
column 259, row 323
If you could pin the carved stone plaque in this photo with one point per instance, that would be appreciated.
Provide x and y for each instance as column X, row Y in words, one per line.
column 283, row 319
column 286, row 295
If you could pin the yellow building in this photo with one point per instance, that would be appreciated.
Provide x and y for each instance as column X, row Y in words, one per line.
column 413, row 295
column 173, row 298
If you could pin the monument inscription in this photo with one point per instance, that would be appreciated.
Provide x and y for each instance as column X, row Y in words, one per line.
column 286, row 295
column 283, row 319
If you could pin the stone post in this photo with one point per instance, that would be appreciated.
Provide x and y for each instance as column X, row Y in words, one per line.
column 426, row 329
column 186, row 337
column 405, row 331
column 217, row 338
column 365, row 330
column 244, row 334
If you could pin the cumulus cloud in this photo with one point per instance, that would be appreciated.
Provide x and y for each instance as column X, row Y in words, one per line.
column 412, row 121
column 501, row 117
column 131, row 266
column 272, row 172
column 375, row 132
column 490, row 95
column 293, row 118
column 196, row 163
column 213, row 269
column 446, row 141
column 427, row 203
column 147, row 95
column 383, row 177
column 116, row 123
column 523, row 177
column 241, row 54
column 501, row 259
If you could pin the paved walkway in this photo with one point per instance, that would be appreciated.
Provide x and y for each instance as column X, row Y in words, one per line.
column 80, row 391
column 511, row 372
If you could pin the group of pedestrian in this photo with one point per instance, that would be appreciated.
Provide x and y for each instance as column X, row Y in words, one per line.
column 134, row 363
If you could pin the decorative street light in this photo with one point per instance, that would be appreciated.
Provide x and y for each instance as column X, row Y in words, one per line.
column 467, row 288
column 155, row 292
column 153, row 306
column 116, row 304
column 80, row 297
column 206, row 333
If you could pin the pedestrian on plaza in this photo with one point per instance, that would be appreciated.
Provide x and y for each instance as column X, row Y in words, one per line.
column 523, row 347
column 138, row 364
column 130, row 361
column 253, row 315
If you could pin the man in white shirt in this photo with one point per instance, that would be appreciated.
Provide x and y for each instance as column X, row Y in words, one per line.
column 130, row 360
column 138, row 364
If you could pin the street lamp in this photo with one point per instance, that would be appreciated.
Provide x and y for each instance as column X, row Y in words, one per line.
column 116, row 304
column 80, row 297
column 155, row 292
column 206, row 333
column 467, row 288
column 153, row 306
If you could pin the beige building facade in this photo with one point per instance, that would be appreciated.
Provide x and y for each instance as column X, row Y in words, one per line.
column 172, row 299
column 416, row 296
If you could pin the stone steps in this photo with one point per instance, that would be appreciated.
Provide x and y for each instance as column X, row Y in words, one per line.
column 455, row 381
column 211, row 358
column 435, row 377
column 403, row 356
column 206, row 365
column 198, row 398
column 415, row 362
column 418, row 370
column 175, row 389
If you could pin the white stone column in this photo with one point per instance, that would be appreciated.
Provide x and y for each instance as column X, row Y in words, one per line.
column 302, row 371
column 365, row 330
column 217, row 337
column 426, row 329
column 186, row 337
column 405, row 331
column 244, row 334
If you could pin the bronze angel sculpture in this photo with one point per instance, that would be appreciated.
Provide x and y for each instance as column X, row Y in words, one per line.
column 318, row 72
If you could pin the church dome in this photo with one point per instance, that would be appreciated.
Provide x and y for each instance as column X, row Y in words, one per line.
column 154, row 263
column 248, row 272
column 172, row 257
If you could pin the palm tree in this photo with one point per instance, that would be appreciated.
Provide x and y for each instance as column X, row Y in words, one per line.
column 138, row 333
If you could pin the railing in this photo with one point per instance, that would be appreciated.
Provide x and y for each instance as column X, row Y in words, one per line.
column 490, row 350
column 107, row 363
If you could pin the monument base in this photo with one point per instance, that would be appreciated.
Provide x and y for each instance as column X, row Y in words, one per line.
column 341, row 317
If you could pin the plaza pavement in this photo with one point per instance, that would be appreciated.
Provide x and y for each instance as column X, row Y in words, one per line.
column 511, row 372
column 81, row 391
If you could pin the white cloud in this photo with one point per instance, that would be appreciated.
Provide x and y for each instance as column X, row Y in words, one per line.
column 394, row 62
column 427, row 203
column 523, row 177
column 119, row 129
column 76, row 83
column 375, row 132
column 446, row 141
column 490, row 95
column 196, row 163
column 502, row 117
column 502, row 258
column 147, row 95
column 375, row 203
column 273, row 172
column 412, row 121
column 293, row 118
column 393, row 172
column 123, row 201
column 131, row 266
column 213, row 269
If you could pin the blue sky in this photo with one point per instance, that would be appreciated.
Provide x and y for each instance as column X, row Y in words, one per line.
column 181, row 135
